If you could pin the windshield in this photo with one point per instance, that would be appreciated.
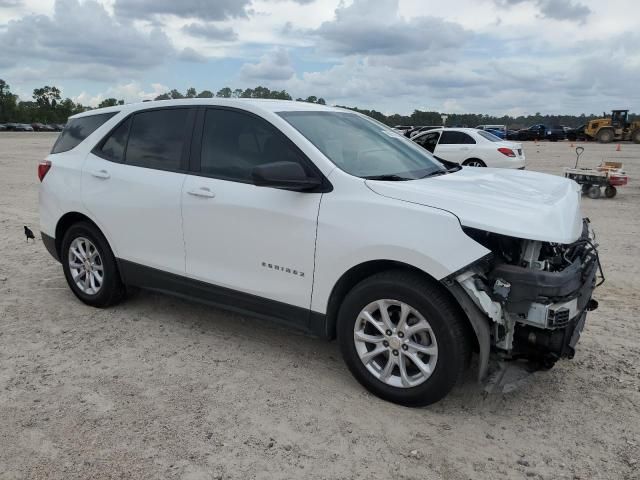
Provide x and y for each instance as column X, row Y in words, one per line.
column 489, row 136
column 363, row 147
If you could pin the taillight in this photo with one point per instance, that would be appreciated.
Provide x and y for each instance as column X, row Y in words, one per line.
column 507, row 151
column 43, row 168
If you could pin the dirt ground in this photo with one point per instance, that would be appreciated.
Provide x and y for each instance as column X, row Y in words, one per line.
column 163, row 388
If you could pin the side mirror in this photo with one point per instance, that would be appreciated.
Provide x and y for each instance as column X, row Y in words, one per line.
column 284, row 175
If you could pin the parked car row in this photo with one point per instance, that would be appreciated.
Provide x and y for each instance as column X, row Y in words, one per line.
column 33, row 127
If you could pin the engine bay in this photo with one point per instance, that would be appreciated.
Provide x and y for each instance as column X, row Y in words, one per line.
column 536, row 293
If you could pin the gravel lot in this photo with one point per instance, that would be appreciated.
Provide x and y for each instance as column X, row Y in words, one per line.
column 162, row 388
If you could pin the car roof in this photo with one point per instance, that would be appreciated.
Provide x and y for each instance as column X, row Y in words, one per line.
column 257, row 103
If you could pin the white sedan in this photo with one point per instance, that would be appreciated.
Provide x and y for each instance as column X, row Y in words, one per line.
column 472, row 147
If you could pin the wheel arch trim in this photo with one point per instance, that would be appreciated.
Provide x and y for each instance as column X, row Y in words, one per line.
column 477, row 321
column 70, row 218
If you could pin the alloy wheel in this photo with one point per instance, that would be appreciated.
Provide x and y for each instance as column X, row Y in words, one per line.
column 85, row 266
column 395, row 343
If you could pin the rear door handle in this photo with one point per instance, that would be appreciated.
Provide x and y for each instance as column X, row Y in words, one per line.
column 101, row 174
column 201, row 192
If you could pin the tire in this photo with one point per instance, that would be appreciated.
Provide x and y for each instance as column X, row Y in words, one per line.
column 635, row 136
column 610, row 191
column 605, row 135
column 85, row 237
column 474, row 162
column 397, row 290
column 585, row 189
column 593, row 192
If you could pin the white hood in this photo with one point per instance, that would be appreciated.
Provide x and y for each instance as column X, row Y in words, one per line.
column 529, row 205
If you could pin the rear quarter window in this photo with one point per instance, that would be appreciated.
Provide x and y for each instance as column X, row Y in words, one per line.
column 77, row 129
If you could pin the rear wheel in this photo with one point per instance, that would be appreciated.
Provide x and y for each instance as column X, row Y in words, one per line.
column 610, row 191
column 474, row 162
column 594, row 191
column 90, row 267
column 605, row 135
column 402, row 338
column 635, row 136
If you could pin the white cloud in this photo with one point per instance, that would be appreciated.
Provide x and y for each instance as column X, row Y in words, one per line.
column 275, row 65
column 129, row 92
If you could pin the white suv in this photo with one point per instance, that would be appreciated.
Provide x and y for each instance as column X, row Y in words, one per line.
column 326, row 220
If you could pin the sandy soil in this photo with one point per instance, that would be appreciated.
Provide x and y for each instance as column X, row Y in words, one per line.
column 163, row 388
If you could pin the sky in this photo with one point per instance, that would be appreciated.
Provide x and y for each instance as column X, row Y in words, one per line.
column 514, row 57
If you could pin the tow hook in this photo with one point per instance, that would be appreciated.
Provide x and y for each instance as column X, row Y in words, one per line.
column 592, row 305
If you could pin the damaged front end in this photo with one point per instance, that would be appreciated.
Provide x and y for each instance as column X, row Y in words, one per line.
column 535, row 294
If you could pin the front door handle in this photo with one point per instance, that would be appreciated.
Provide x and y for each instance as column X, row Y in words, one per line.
column 201, row 192
column 101, row 174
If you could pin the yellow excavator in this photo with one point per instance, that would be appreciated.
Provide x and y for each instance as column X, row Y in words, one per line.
column 613, row 128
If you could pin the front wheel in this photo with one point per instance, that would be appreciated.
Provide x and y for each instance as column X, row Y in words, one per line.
column 402, row 338
column 90, row 267
column 474, row 162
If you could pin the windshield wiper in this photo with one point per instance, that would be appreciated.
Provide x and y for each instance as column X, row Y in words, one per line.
column 436, row 173
column 391, row 177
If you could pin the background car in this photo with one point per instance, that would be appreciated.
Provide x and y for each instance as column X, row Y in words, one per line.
column 577, row 134
column 502, row 128
column 3, row 127
column 417, row 130
column 555, row 133
column 22, row 127
column 472, row 147
column 501, row 134
column 403, row 128
column 534, row 132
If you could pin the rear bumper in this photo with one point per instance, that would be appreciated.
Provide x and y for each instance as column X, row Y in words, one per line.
column 50, row 245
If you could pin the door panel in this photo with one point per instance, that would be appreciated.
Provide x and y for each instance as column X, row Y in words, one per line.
column 132, row 186
column 253, row 239
column 455, row 146
column 140, row 210
column 257, row 240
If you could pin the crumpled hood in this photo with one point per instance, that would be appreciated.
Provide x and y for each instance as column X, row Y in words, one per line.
column 522, row 204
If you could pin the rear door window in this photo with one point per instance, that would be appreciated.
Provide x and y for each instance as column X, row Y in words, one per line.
column 156, row 139
column 114, row 145
column 77, row 129
column 455, row 138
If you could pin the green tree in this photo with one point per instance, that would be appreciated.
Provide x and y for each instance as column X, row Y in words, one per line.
column 311, row 99
column 46, row 99
column 175, row 94
column 321, row 101
column 247, row 93
column 205, row 94
column 261, row 92
column 191, row 92
column 237, row 93
column 8, row 102
column 224, row 92
column 110, row 102
column 47, row 96
column 163, row 96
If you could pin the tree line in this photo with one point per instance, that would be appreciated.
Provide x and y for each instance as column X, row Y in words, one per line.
column 48, row 106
